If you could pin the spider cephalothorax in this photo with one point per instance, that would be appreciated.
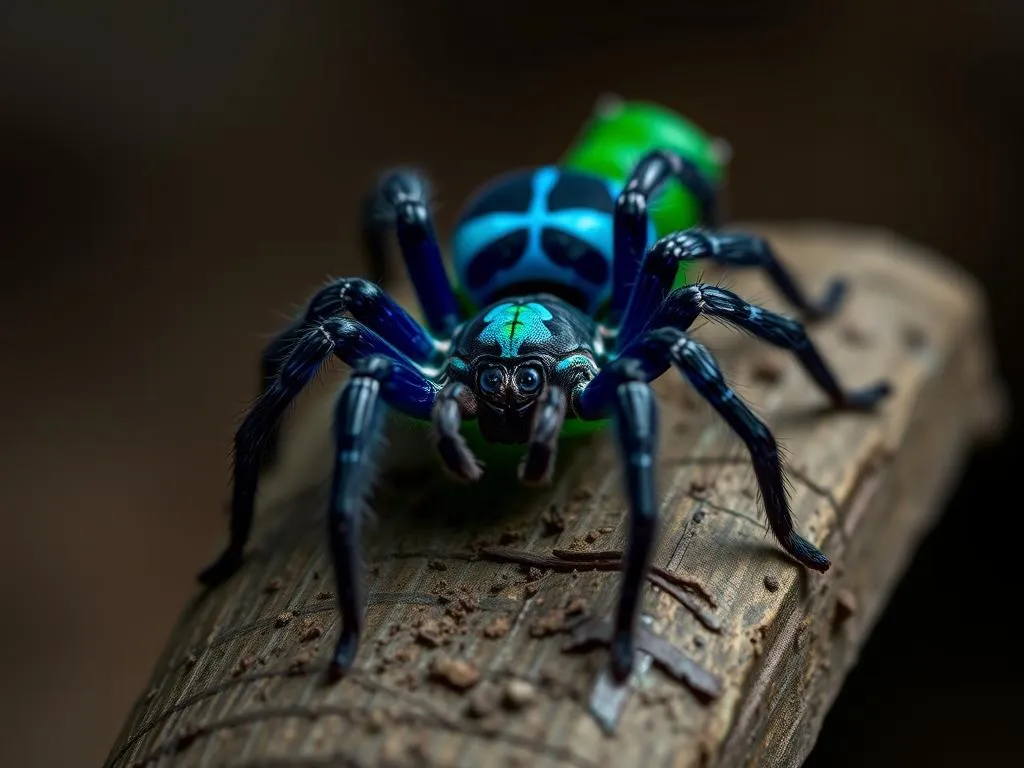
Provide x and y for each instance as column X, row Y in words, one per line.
column 576, row 308
column 518, row 357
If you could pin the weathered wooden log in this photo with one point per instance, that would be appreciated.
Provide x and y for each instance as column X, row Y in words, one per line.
column 480, row 599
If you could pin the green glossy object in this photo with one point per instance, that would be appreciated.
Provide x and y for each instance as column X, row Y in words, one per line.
column 619, row 133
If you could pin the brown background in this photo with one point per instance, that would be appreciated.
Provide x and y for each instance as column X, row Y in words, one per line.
column 176, row 179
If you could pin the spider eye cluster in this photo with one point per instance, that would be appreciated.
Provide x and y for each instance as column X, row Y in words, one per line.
column 526, row 379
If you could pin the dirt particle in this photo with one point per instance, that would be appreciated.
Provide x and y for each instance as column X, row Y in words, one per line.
column 437, row 565
column 500, row 585
column 698, row 516
column 299, row 662
column 534, row 573
column 553, row 520
column 311, row 630
column 324, row 595
column 531, row 588
column 698, row 641
column 482, row 702
column 551, row 623
column 592, row 535
column 283, row 619
column 407, row 654
column 518, row 694
column 457, row 674
column 575, row 606
column 190, row 661
column 460, row 603
column 771, row 582
column 376, row 721
column 429, row 634
column 510, row 537
column 244, row 664
column 583, row 494
column 855, row 335
column 498, row 627
column 767, row 369
column 272, row 586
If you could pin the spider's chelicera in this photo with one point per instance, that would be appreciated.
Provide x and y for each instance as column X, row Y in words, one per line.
column 576, row 316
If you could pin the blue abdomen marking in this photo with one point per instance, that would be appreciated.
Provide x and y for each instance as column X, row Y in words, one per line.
column 544, row 226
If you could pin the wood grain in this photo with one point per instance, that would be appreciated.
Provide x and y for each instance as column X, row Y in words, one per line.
column 241, row 682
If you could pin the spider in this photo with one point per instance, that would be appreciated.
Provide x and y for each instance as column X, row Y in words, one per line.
column 574, row 313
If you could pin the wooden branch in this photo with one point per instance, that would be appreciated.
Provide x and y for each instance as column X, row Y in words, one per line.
column 476, row 593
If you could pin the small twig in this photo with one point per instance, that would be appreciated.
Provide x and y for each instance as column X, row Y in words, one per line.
column 565, row 560
column 682, row 581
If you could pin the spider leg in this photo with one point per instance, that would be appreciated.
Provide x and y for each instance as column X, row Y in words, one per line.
column 684, row 305
column 630, row 399
column 400, row 201
column 368, row 304
column 408, row 390
column 631, row 216
column 454, row 403
column 357, row 429
column 658, row 274
column 539, row 462
column 621, row 389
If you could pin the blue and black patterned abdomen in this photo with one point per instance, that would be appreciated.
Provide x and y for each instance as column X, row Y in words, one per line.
column 543, row 229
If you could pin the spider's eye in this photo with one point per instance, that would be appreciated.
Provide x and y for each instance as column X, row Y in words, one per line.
column 528, row 380
column 491, row 380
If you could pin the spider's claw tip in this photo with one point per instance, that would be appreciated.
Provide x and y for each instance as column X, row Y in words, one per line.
column 621, row 659
column 537, row 468
column 222, row 569
column 868, row 397
column 807, row 554
column 344, row 655
column 835, row 294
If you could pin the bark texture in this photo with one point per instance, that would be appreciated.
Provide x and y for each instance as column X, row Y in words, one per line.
column 475, row 594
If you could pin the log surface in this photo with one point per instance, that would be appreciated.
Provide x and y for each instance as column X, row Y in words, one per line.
column 463, row 660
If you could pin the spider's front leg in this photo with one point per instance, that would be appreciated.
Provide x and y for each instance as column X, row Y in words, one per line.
column 622, row 389
column 357, row 431
column 408, row 390
column 661, row 263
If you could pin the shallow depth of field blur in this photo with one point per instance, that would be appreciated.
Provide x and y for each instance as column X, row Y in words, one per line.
column 178, row 179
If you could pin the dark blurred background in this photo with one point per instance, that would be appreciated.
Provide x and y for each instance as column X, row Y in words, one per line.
column 176, row 177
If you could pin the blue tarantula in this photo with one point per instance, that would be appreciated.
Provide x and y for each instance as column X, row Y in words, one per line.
column 574, row 314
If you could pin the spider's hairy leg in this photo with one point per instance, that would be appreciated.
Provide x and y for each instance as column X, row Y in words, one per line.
column 628, row 396
column 631, row 215
column 697, row 364
column 538, row 464
column 684, row 305
column 357, row 430
column 454, row 403
column 367, row 303
column 408, row 391
column 402, row 201
column 661, row 263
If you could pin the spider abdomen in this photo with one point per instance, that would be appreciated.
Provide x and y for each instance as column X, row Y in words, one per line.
column 543, row 229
